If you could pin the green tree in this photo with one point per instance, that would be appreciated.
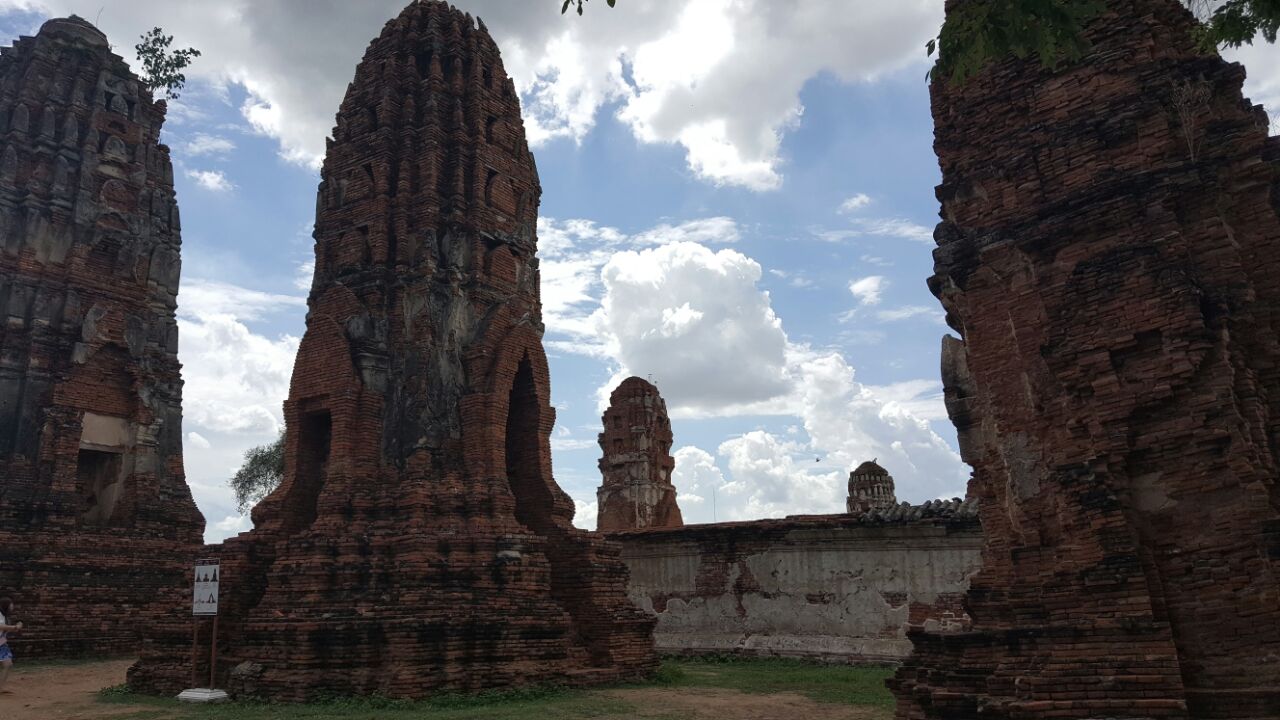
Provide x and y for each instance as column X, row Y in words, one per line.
column 261, row 473
column 161, row 67
column 981, row 31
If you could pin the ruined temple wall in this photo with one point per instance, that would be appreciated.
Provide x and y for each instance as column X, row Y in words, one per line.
column 829, row 587
column 418, row 542
column 1109, row 254
column 95, row 515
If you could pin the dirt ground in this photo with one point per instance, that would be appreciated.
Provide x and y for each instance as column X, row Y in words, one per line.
column 69, row 692
column 63, row 692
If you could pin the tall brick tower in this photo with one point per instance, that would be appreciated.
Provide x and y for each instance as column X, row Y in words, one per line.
column 1110, row 256
column 96, row 520
column 418, row 542
column 637, row 463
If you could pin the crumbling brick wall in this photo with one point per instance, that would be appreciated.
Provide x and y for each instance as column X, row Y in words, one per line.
column 96, row 519
column 1108, row 255
column 834, row 587
column 636, row 465
column 418, row 542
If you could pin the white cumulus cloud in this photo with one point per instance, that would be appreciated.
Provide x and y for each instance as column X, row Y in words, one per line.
column 677, row 72
column 867, row 290
column 211, row 180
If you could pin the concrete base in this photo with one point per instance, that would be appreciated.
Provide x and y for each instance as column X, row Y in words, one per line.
column 203, row 695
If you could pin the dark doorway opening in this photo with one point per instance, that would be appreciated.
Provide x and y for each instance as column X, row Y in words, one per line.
column 312, row 466
column 524, row 464
column 98, row 479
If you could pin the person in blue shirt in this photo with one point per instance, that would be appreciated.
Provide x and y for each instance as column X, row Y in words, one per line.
column 6, row 654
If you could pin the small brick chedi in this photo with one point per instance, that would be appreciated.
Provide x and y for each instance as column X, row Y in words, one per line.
column 418, row 542
column 1110, row 255
column 637, row 463
column 96, row 519
column 870, row 488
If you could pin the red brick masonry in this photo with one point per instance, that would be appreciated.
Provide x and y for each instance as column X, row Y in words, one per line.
column 96, row 520
column 637, row 463
column 418, row 542
column 1108, row 255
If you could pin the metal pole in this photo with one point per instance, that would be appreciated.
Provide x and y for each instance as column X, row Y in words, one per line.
column 195, row 642
column 213, row 652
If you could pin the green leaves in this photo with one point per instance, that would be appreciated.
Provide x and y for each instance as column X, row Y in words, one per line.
column 1237, row 22
column 162, row 68
column 261, row 473
column 981, row 31
column 567, row 3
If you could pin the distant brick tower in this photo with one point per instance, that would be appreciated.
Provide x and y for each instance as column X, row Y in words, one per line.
column 1110, row 255
column 95, row 513
column 870, row 488
column 418, row 542
column 637, row 463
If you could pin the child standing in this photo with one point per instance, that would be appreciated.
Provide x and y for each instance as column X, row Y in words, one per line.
column 6, row 655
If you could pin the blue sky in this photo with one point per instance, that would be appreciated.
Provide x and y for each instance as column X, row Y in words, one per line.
column 737, row 201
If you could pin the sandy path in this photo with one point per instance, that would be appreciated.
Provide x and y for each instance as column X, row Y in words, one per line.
column 63, row 692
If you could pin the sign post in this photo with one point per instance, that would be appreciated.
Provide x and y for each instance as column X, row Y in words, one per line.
column 204, row 603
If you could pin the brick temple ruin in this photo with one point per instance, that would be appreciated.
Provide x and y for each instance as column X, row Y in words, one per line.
column 1108, row 254
column 636, row 462
column 97, row 523
column 418, row 542
column 840, row 588
column 870, row 488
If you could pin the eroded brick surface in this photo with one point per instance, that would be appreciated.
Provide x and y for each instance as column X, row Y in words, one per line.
column 870, row 488
column 1111, row 265
column 637, row 463
column 844, row 588
column 97, row 523
column 418, row 542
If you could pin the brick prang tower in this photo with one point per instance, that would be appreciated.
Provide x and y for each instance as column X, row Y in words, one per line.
column 97, row 523
column 636, row 492
column 870, row 488
column 418, row 542
column 1110, row 256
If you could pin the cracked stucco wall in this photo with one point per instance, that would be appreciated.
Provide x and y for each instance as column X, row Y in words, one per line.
column 815, row 587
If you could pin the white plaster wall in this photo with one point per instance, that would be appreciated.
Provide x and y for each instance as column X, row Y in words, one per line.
column 842, row 592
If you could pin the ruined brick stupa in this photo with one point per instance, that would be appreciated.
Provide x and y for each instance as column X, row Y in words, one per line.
column 1110, row 255
column 418, row 542
column 637, row 491
column 870, row 488
column 96, row 520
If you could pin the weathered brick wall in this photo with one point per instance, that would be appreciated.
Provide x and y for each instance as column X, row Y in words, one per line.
column 96, row 519
column 836, row 587
column 1111, row 266
column 418, row 541
column 636, row 466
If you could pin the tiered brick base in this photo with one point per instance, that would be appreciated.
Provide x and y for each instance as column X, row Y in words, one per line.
column 1110, row 254
column 418, row 542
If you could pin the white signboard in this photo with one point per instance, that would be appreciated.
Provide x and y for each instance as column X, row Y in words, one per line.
column 204, row 601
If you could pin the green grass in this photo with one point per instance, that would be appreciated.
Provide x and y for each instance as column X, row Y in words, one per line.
column 495, row 705
column 841, row 684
